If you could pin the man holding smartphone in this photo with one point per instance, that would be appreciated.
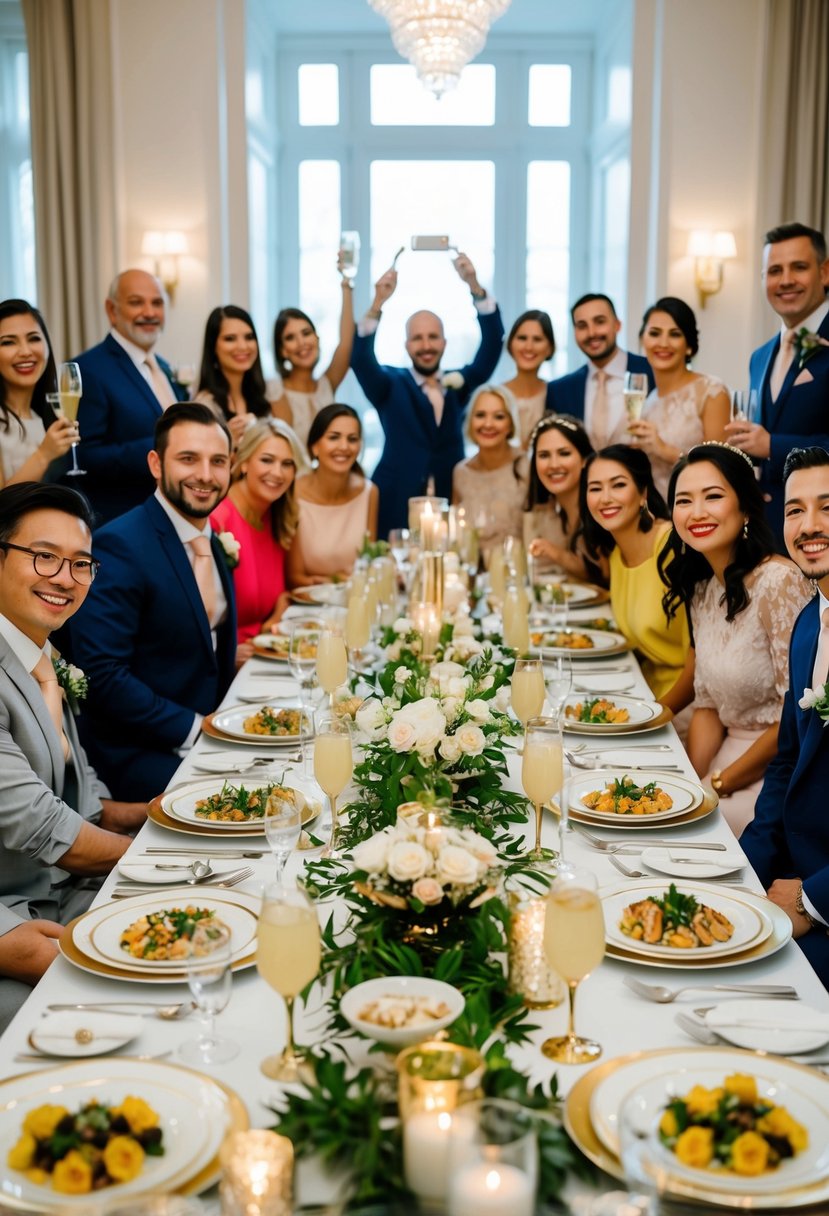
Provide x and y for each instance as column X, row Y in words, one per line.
column 420, row 409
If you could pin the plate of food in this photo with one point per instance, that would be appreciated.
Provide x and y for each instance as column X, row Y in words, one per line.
column 617, row 797
column 303, row 621
column 680, row 920
column 605, row 714
column 549, row 591
column 274, row 725
column 578, row 643
column 333, row 594
column 238, row 804
column 399, row 1010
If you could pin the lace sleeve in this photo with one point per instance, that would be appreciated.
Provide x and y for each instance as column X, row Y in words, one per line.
column 711, row 387
column 781, row 595
column 703, row 698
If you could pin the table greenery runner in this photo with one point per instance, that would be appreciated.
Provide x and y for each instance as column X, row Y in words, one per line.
column 422, row 888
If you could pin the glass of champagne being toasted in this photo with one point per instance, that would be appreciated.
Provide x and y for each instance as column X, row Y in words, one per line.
column 70, row 389
column 333, row 766
column 574, row 942
column 287, row 958
column 542, row 770
column 635, row 392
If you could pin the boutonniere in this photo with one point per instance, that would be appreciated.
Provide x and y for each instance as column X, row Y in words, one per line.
column 230, row 547
column 806, row 343
column 453, row 380
column 818, row 699
column 73, row 682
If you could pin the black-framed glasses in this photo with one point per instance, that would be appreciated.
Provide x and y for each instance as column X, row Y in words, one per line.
column 47, row 565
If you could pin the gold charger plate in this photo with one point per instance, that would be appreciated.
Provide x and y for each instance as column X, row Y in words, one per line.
column 634, row 728
column 157, row 814
column 278, row 742
column 709, row 803
column 578, row 1125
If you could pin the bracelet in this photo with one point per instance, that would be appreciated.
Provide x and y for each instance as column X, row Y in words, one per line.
column 374, row 313
column 481, row 295
column 798, row 907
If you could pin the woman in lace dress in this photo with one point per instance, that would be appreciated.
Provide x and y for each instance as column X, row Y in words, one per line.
column 743, row 601
column 492, row 485
column 231, row 380
column 530, row 343
column 685, row 407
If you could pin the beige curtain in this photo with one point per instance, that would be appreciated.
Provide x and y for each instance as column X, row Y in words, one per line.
column 795, row 178
column 70, row 85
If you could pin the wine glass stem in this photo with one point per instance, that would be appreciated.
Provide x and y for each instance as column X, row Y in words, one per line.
column 75, row 457
column 572, row 985
column 334, row 824
column 289, row 1054
column 538, row 818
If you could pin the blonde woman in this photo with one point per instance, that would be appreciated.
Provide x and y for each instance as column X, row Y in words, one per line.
column 492, row 484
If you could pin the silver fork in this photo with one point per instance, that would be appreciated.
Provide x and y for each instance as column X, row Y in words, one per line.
column 230, row 880
column 617, row 846
column 592, row 763
column 622, row 868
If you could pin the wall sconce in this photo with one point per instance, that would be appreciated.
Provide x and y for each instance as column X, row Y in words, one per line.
column 709, row 250
column 165, row 248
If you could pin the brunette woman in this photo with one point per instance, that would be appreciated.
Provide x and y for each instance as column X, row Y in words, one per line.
column 231, row 379
column 552, row 524
column 530, row 343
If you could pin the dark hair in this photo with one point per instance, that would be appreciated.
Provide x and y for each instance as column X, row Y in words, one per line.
column 211, row 377
column 570, row 429
column 187, row 411
column 48, row 382
column 789, row 232
column 682, row 315
column 804, row 458
column 283, row 317
column 543, row 320
column 322, row 422
column 598, row 540
column 588, row 299
column 20, row 499
column 683, row 568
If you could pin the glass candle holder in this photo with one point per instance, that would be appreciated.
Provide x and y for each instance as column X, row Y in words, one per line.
column 257, row 1174
column 530, row 975
column 493, row 1160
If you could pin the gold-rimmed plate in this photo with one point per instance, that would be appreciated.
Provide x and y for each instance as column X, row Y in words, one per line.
column 686, row 795
column 181, row 804
column 551, row 591
column 636, row 823
column 641, row 713
column 750, row 923
column 230, row 723
column 577, row 644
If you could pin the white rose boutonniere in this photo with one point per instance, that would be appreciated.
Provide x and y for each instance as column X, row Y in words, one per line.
column 230, row 547
column 453, row 380
column 72, row 680
column 817, row 698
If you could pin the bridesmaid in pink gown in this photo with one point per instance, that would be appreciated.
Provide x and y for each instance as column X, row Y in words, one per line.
column 260, row 516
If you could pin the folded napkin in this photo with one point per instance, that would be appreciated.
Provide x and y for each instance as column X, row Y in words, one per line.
column 55, row 1033
column 624, row 681
column 785, row 1022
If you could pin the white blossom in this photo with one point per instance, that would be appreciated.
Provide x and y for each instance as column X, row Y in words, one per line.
column 408, row 860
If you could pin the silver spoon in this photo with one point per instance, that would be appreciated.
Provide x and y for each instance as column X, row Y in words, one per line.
column 199, row 869
column 168, row 1013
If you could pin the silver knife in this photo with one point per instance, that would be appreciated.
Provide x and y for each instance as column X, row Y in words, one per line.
column 668, row 844
column 152, row 851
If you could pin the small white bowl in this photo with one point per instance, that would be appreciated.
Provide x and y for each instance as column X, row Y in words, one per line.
column 400, row 985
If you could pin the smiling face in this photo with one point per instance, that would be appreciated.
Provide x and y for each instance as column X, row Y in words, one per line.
column 24, row 351
column 425, row 342
column 707, row 513
column 339, row 446
column 613, row 497
column 194, row 471
column 236, row 347
column 300, row 345
column 664, row 343
column 557, row 463
column 529, row 347
column 270, row 471
column 806, row 523
column 137, row 310
column 595, row 327
column 795, row 281
column 37, row 605
column 490, row 424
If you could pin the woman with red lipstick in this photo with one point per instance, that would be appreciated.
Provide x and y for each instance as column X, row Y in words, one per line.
column 685, row 407
column 492, row 485
column 720, row 565
column 626, row 522
column 559, row 447
column 30, row 435
column 231, row 379
column 530, row 343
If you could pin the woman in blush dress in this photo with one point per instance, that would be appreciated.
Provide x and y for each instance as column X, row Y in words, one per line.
column 530, row 343
column 337, row 502
column 492, row 485
column 685, row 407
column 560, row 445
column 30, row 435
column 719, row 563
column 260, row 516
column 231, row 379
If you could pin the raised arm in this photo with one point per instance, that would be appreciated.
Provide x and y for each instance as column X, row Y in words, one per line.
column 373, row 379
column 341, row 359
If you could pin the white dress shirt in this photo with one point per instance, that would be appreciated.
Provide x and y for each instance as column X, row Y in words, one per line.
column 22, row 646
column 615, row 370
column 139, row 357
column 813, row 323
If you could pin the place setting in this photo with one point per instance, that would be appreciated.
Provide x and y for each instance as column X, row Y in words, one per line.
column 637, row 799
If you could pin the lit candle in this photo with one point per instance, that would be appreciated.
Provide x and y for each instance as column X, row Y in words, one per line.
column 427, row 528
column 491, row 1189
column 426, row 1139
column 257, row 1174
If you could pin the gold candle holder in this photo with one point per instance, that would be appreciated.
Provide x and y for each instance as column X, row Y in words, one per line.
column 530, row 975
column 257, row 1174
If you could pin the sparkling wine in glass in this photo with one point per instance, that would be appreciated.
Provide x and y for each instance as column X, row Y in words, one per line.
column 332, row 661
column 574, row 942
column 70, row 390
column 283, row 826
column 527, row 689
column 744, row 405
column 349, row 254
column 302, row 660
column 558, row 677
column 635, row 392
column 333, row 766
column 542, row 770
column 209, row 979
column 516, row 619
column 287, row 958
column 357, row 627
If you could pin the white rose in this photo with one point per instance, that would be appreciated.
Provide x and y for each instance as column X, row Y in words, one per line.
column 450, row 749
column 453, row 380
column 455, row 865
column 371, row 854
column 455, row 687
column 401, row 675
column 811, row 696
column 403, row 625
column 402, row 736
column 467, row 648
column 502, row 698
column 428, row 891
column 371, row 719
column 487, row 682
column 479, row 710
column 230, row 544
column 442, row 673
column 471, row 739
column 491, row 624
column 425, row 717
column 481, row 848
column 451, row 707
column 408, row 860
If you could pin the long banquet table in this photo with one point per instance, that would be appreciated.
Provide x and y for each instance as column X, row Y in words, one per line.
column 606, row 1009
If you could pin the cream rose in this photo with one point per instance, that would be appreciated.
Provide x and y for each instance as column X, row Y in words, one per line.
column 450, row 749
column 371, row 854
column 502, row 698
column 428, row 891
column 471, row 739
column 371, row 719
column 408, row 860
column 456, row 865
column 479, row 710
column 402, row 736
column 401, row 675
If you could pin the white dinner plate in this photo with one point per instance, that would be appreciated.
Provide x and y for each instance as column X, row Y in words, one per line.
column 334, row 594
column 302, row 619
column 174, row 1093
column 231, row 722
column 640, row 713
column 259, row 692
column 549, row 591
column 764, row 1026
column 181, row 803
column 692, row 863
column 751, row 926
column 603, row 641
column 604, row 684
column 148, row 873
column 228, row 763
column 686, row 795
column 56, row 1034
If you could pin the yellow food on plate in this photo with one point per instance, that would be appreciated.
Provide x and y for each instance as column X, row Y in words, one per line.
column 622, row 796
column 675, row 920
column 174, row 934
column 567, row 639
column 235, row 804
column 276, row 723
column 598, row 710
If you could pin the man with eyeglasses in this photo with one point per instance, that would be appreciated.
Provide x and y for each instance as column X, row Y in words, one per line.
column 54, row 812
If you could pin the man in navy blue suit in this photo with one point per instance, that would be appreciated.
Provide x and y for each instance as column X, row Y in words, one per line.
column 594, row 392
column 790, row 376
column 788, row 840
column 126, row 386
column 157, row 634
column 421, row 414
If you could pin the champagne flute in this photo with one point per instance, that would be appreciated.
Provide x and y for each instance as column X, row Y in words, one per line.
column 635, row 392
column 527, row 689
column 209, row 979
column 558, row 677
column 283, row 826
column 542, row 770
column 332, row 661
column 574, row 942
column 349, row 254
column 357, row 628
column 302, row 660
column 287, row 958
column 744, row 405
column 70, row 389
column 333, row 766
column 516, row 626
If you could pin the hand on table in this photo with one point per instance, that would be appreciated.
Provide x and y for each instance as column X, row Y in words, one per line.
column 750, row 438
column 783, row 892
column 27, row 951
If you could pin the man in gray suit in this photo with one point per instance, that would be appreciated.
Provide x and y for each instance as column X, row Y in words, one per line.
column 58, row 828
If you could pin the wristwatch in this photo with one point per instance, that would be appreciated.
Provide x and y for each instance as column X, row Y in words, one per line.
column 716, row 784
column 478, row 295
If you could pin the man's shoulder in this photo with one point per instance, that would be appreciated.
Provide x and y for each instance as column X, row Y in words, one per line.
column 127, row 526
column 637, row 363
column 572, row 380
column 101, row 350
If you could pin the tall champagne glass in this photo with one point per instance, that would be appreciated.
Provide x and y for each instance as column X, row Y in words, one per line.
column 302, row 660
column 527, row 689
column 516, row 620
column 635, row 392
column 558, row 677
column 357, row 628
column 574, row 942
column 283, row 828
column 287, row 958
column 332, row 661
column 333, row 766
column 542, row 769
column 349, row 254
column 209, row 979
column 744, row 405
column 70, row 390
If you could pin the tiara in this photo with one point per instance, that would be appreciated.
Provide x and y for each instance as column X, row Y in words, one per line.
column 729, row 447
column 549, row 420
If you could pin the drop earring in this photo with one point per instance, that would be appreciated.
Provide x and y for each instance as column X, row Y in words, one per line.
column 745, row 529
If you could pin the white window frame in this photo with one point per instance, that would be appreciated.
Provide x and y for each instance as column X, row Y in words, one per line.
column 15, row 151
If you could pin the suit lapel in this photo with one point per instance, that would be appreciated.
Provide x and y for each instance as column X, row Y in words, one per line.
column 810, row 724
column 174, row 551
column 769, row 408
column 26, row 685
column 425, row 409
column 134, row 376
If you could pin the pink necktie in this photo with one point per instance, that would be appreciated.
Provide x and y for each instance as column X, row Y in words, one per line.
column 783, row 362
column 161, row 385
column 435, row 394
column 44, row 673
column 600, row 414
column 820, row 671
column 203, row 570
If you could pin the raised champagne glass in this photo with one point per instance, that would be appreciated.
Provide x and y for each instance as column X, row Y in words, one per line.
column 542, row 771
column 70, row 390
column 333, row 766
column 574, row 942
column 634, row 393
column 349, row 254
column 287, row 958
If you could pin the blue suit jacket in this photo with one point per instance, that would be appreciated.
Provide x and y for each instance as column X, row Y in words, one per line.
column 117, row 417
column 798, row 418
column 566, row 395
column 416, row 448
column 789, row 835
column 143, row 639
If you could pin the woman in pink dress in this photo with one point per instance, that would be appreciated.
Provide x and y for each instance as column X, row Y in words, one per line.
column 256, row 524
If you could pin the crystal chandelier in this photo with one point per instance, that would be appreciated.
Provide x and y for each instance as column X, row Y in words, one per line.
column 439, row 37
